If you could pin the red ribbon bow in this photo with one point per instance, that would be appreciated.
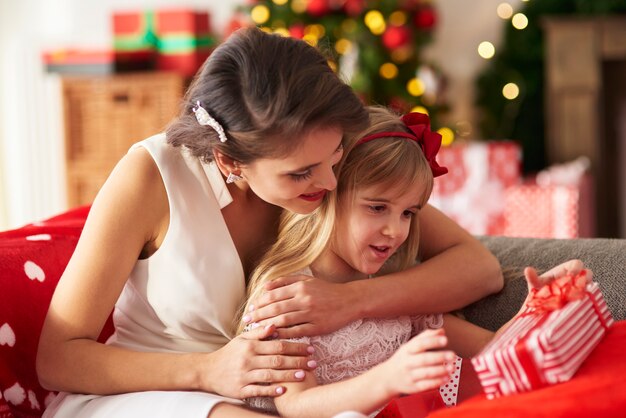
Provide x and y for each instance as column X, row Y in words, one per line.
column 429, row 141
column 558, row 293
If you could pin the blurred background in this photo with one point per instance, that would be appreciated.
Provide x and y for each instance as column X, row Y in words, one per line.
column 529, row 96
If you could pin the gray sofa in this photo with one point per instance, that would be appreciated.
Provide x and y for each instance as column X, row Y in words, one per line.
column 605, row 257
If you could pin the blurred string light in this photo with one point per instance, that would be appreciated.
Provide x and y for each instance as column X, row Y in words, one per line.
column 504, row 10
column 486, row 50
column 388, row 70
column 260, row 14
column 510, row 91
column 519, row 21
column 299, row 6
column 279, row 2
column 415, row 87
column 343, row 46
column 447, row 136
column 375, row 22
column 420, row 109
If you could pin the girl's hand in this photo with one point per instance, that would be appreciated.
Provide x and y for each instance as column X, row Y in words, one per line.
column 571, row 267
column 305, row 306
column 413, row 368
column 250, row 366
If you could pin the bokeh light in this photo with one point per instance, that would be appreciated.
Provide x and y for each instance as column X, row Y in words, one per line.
column 510, row 91
column 519, row 21
column 504, row 10
column 486, row 50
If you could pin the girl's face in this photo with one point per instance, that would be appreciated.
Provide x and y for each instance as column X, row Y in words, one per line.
column 299, row 181
column 373, row 226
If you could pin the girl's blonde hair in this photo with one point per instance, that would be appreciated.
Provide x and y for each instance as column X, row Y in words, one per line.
column 390, row 163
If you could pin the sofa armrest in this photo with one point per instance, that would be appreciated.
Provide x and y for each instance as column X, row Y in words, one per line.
column 605, row 257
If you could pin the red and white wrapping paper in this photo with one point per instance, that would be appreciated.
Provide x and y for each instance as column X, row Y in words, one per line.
column 472, row 193
column 543, row 347
column 550, row 211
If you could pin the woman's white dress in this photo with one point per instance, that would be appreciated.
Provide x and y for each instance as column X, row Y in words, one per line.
column 183, row 298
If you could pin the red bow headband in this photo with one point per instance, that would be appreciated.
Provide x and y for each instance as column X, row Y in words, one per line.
column 429, row 142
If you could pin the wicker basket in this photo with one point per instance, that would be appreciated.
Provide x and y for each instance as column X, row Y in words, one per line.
column 104, row 116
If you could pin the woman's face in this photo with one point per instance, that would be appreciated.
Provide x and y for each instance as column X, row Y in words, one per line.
column 299, row 181
column 373, row 224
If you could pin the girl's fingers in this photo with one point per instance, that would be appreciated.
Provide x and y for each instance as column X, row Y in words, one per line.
column 430, row 373
column 532, row 278
column 427, row 340
column 431, row 358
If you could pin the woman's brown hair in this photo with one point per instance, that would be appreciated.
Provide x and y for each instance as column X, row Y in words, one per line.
column 267, row 91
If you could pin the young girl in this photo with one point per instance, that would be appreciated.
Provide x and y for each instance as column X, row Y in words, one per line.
column 370, row 224
column 182, row 221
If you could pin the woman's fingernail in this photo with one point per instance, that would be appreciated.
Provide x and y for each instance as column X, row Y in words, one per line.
column 442, row 340
column 246, row 318
column 280, row 390
column 300, row 374
column 250, row 308
column 311, row 363
column 268, row 327
column 310, row 349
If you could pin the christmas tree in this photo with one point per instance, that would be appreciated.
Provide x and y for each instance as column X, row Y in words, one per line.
column 374, row 45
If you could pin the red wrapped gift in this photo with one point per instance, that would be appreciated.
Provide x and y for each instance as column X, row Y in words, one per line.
column 550, row 211
column 413, row 406
column 546, row 343
column 134, row 40
column 184, row 40
column 472, row 193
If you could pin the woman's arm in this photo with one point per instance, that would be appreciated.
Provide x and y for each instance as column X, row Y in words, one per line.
column 456, row 270
column 131, row 215
column 411, row 369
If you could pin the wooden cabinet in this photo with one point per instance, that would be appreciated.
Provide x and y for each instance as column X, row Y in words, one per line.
column 104, row 116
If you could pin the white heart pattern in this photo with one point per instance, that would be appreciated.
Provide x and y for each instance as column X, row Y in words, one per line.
column 34, row 272
column 15, row 394
column 7, row 336
column 32, row 398
column 39, row 237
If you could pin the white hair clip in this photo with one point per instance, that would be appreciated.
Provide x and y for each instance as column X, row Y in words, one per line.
column 204, row 119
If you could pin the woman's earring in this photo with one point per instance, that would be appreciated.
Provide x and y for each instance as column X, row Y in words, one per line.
column 232, row 177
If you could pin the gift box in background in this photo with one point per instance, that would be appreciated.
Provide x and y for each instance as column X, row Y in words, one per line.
column 558, row 203
column 548, row 341
column 472, row 193
column 134, row 39
column 79, row 61
column 184, row 40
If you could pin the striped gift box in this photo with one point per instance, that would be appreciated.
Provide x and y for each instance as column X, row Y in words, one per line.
column 537, row 350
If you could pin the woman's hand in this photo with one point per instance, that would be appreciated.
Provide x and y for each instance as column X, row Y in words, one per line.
column 414, row 368
column 304, row 306
column 250, row 366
